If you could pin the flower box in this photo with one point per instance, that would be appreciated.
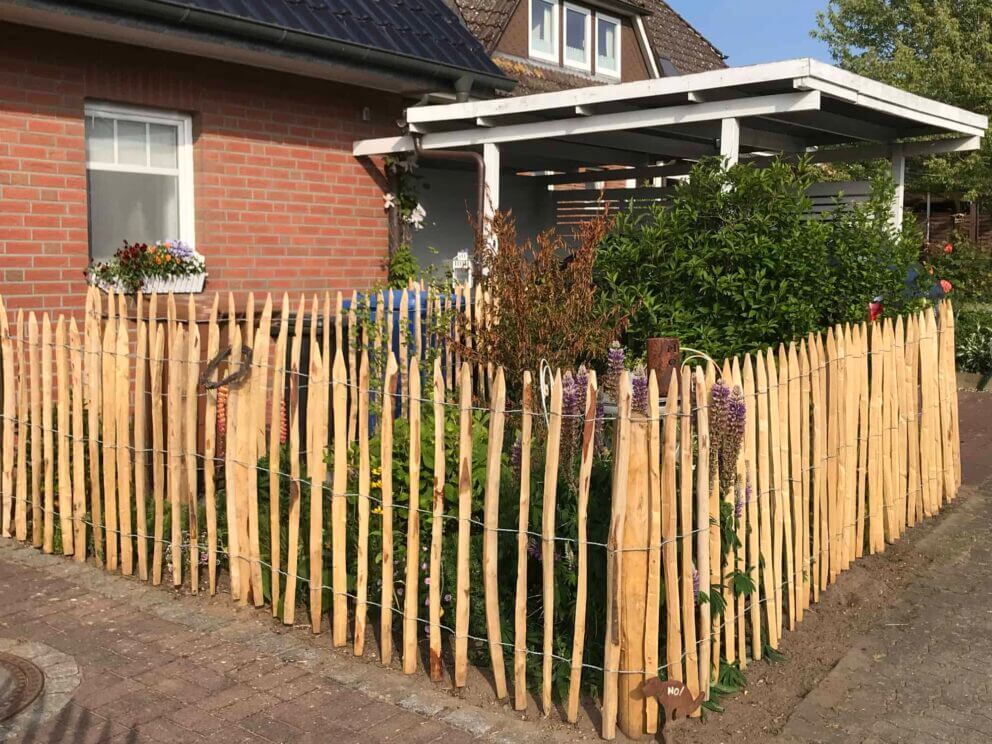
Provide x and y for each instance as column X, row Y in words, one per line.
column 169, row 266
column 175, row 284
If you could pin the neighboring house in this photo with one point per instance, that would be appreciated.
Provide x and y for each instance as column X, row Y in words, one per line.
column 225, row 123
column 229, row 124
column 555, row 44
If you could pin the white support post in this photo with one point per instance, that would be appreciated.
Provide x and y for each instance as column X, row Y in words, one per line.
column 730, row 141
column 899, row 177
column 490, row 155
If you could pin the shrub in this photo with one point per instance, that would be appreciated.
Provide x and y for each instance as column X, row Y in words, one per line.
column 967, row 267
column 735, row 262
column 546, row 299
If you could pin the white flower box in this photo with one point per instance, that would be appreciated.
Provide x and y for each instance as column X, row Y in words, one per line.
column 192, row 284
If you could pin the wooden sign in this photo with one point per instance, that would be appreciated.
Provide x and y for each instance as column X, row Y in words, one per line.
column 673, row 696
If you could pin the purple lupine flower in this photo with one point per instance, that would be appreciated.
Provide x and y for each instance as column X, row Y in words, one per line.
column 695, row 584
column 571, row 409
column 639, row 399
column 739, row 504
column 616, row 358
column 534, row 548
column 719, row 402
column 728, row 414
column 515, row 451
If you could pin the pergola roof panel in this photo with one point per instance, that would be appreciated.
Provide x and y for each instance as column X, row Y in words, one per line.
column 789, row 106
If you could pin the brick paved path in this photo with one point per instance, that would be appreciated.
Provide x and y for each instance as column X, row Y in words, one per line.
column 923, row 674
column 157, row 667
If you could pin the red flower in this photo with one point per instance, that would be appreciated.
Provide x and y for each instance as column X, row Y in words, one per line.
column 949, row 248
column 946, row 286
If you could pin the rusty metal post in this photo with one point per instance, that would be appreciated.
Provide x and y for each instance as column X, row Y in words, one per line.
column 664, row 356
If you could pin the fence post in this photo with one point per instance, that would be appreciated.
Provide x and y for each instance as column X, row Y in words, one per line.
column 636, row 537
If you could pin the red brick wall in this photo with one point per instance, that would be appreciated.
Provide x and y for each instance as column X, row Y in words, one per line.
column 280, row 202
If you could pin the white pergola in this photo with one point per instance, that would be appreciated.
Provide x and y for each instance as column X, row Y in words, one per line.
column 658, row 127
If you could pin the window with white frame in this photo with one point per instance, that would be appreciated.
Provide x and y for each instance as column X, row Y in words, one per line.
column 544, row 30
column 578, row 44
column 139, row 177
column 607, row 45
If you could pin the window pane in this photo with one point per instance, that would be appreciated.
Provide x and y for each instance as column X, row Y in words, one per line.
column 136, row 207
column 164, row 139
column 131, row 143
column 606, row 45
column 99, row 140
column 576, row 41
column 542, row 26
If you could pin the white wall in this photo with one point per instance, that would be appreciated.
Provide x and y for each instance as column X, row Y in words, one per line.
column 450, row 197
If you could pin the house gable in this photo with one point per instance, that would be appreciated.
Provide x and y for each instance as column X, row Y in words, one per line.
column 653, row 39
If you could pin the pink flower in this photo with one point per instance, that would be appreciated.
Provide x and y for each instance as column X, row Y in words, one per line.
column 946, row 286
column 949, row 248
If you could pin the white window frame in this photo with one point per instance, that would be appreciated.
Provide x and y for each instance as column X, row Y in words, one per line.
column 184, row 156
column 554, row 56
column 619, row 45
column 587, row 12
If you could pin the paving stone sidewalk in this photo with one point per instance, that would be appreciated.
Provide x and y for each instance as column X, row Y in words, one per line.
column 191, row 678
column 923, row 675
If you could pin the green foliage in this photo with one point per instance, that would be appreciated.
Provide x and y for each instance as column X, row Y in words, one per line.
column 735, row 263
column 402, row 267
column 973, row 336
column 729, row 681
column 941, row 49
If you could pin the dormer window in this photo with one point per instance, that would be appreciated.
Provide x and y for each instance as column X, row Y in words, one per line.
column 544, row 30
column 578, row 41
column 607, row 45
column 569, row 34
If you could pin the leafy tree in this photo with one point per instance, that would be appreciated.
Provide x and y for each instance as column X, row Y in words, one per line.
column 941, row 49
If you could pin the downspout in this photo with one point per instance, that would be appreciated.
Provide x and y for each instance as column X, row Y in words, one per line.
column 464, row 155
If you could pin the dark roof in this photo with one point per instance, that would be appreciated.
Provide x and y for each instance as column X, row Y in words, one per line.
column 676, row 40
column 672, row 37
column 486, row 19
column 421, row 29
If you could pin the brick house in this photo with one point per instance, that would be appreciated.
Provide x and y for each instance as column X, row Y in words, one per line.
column 229, row 123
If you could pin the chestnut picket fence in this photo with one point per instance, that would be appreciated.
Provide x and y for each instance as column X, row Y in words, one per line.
column 124, row 446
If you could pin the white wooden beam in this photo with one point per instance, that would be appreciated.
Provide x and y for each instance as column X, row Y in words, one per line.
column 649, row 171
column 490, row 155
column 899, row 177
column 883, row 92
column 825, row 122
column 909, row 149
column 730, row 141
column 651, row 88
column 650, row 144
column 931, row 113
column 657, row 117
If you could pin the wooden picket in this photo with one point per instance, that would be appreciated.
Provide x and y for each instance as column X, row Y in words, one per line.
column 850, row 437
